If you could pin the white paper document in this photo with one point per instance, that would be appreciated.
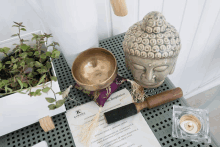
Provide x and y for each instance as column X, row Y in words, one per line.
column 130, row 132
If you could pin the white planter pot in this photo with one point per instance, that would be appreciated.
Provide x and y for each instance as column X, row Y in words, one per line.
column 20, row 110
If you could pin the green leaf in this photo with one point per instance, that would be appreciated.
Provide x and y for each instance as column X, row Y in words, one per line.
column 41, row 42
column 15, row 26
column 31, row 93
column 6, row 88
column 60, row 93
column 30, row 75
column 24, row 47
column 14, row 60
column 38, row 92
column 55, row 53
column 48, row 54
column 56, row 43
column 30, row 53
column 8, row 62
column 10, row 89
column 43, row 56
column 22, row 63
column 52, row 106
column 20, row 91
column 41, row 71
column 34, row 34
column 5, row 49
column 50, row 45
column 33, row 38
column 23, row 55
column 14, row 84
column 50, row 100
column 59, row 103
column 23, row 29
column 28, row 89
column 36, row 53
column 21, row 84
column 46, row 89
column 15, row 66
column 41, row 79
column 25, row 85
column 14, row 35
column 28, row 60
column 53, row 78
column 31, row 64
column 38, row 64
column 48, row 65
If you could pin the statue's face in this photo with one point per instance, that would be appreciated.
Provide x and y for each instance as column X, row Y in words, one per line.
column 150, row 73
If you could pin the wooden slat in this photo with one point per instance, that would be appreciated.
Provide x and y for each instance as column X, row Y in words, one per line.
column 121, row 24
column 173, row 11
column 192, row 74
column 104, row 18
column 187, row 33
column 119, row 7
column 146, row 6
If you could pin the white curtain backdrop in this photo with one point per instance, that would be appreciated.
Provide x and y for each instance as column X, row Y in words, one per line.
column 73, row 24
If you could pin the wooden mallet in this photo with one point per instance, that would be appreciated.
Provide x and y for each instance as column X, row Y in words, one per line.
column 151, row 102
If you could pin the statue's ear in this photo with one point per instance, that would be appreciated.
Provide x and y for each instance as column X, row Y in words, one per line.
column 173, row 68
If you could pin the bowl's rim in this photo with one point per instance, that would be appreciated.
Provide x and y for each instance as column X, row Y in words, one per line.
column 115, row 70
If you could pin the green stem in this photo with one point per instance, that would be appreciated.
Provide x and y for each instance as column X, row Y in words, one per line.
column 5, row 54
column 53, row 92
column 20, row 40
column 19, row 35
column 46, row 41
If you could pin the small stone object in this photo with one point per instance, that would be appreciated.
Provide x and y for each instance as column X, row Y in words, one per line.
column 151, row 41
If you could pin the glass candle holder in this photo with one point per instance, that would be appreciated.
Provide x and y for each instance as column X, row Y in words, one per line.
column 191, row 124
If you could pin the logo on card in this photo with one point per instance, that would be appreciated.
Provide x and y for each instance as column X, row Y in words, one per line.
column 79, row 113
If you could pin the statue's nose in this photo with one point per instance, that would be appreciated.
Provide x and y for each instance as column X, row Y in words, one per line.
column 149, row 76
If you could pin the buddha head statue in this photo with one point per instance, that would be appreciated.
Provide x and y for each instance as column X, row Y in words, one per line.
column 151, row 48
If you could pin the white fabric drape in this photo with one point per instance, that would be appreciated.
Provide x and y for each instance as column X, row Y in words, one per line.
column 73, row 23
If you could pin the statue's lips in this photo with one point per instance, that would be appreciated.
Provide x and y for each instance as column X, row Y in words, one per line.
column 148, row 84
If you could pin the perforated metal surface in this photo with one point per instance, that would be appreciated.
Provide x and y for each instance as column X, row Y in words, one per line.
column 159, row 118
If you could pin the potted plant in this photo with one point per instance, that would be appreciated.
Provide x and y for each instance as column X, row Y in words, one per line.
column 28, row 82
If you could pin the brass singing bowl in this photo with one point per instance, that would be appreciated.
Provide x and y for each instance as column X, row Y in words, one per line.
column 94, row 69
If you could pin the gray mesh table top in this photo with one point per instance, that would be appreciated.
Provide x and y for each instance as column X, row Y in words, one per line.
column 159, row 119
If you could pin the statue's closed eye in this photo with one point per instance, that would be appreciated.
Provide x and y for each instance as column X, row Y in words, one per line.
column 139, row 67
column 160, row 68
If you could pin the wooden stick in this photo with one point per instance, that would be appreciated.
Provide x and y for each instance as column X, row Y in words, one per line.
column 159, row 99
column 119, row 7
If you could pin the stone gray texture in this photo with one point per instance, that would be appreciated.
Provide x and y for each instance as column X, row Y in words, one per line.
column 151, row 48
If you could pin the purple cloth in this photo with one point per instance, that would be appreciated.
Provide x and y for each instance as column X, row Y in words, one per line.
column 101, row 96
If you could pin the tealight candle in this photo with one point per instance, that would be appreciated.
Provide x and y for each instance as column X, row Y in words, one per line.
column 190, row 123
